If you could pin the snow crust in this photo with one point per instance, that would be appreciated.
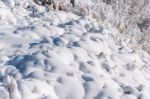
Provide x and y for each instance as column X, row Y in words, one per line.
column 50, row 54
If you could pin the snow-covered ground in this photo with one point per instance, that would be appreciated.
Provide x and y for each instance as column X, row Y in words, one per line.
column 50, row 54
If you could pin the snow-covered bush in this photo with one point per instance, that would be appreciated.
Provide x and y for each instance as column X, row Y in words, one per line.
column 56, row 4
column 130, row 17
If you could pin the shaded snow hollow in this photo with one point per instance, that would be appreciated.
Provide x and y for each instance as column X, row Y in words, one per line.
column 59, row 55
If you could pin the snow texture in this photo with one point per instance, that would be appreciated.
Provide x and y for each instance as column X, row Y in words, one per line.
column 129, row 17
column 50, row 54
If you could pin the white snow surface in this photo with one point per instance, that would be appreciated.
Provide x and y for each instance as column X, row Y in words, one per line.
column 50, row 54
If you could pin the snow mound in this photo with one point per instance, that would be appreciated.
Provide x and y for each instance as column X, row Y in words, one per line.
column 50, row 54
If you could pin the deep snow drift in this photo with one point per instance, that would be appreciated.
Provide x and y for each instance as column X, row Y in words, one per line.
column 49, row 54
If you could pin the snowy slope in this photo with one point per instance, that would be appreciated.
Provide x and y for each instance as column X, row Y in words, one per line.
column 50, row 54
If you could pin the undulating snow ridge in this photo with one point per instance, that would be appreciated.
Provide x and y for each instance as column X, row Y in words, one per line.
column 49, row 54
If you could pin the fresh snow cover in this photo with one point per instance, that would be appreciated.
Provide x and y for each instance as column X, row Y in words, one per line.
column 51, row 54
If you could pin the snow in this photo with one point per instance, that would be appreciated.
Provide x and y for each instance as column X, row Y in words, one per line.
column 60, row 55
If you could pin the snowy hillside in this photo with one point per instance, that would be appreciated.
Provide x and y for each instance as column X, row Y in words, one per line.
column 51, row 54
